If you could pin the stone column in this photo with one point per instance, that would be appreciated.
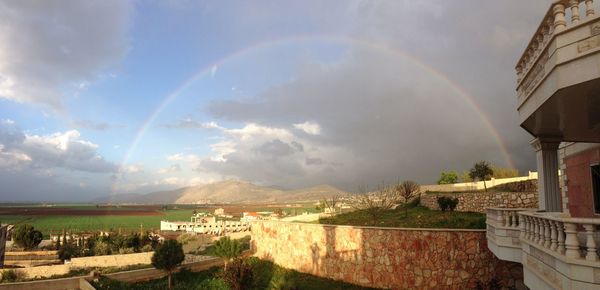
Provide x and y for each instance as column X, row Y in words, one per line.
column 547, row 166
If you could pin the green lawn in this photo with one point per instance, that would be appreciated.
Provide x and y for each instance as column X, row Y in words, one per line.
column 265, row 275
column 418, row 217
column 48, row 224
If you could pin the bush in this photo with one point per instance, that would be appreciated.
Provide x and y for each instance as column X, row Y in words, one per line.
column 67, row 251
column 10, row 276
column 447, row 203
column 238, row 275
column 102, row 248
column 213, row 284
column 126, row 251
column 147, row 248
column 26, row 236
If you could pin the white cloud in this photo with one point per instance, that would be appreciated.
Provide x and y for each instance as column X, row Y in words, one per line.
column 170, row 169
column 58, row 150
column 175, row 157
column 132, row 169
column 189, row 123
column 47, row 46
column 309, row 127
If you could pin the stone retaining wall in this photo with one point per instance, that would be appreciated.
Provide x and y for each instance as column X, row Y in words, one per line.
column 112, row 260
column 478, row 201
column 384, row 257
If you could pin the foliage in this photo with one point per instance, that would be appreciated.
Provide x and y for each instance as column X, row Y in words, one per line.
column 448, row 177
column 213, row 284
column 265, row 275
column 504, row 172
column 466, row 177
column 408, row 191
column 102, row 248
column 147, row 248
column 279, row 212
column 126, row 251
column 211, row 250
column 447, row 203
column 27, row 236
column 481, row 171
column 376, row 203
column 186, row 238
column 68, row 251
column 238, row 275
column 418, row 217
column 330, row 203
column 168, row 256
column 227, row 249
column 520, row 186
column 9, row 276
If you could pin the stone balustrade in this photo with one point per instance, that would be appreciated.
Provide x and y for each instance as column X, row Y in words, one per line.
column 574, row 238
column 561, row 16
column 556, row 251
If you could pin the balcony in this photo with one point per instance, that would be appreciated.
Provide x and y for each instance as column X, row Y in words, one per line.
column 561, row 65
column 557, row 251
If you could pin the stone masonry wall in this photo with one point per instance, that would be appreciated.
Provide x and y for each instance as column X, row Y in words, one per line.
column 384, row 257
column 478, row 201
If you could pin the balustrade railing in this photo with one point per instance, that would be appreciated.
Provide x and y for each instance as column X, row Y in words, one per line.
column 554, row 22
column 561, row 235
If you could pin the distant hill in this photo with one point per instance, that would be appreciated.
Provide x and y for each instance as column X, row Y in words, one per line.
column 229, row 191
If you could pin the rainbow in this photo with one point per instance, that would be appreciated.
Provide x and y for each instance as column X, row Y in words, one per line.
column 380, row 47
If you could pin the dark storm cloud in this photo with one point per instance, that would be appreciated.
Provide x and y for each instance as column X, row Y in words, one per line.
column 392, row 118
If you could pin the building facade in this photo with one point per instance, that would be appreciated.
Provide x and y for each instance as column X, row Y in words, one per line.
column 558, row 89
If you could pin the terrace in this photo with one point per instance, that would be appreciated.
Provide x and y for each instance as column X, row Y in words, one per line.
column 558, row 85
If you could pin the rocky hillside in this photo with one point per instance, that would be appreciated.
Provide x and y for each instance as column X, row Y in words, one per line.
column 229, row 191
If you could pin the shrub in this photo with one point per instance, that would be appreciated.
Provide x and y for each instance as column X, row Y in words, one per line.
column 27, row 237
column 447, row 203
column 67, row 251
column 213, row 284
column 227, row 249
column 126, row 251
column 238, row 275
column 147, row 248
column 10, row 276
column 102, row 248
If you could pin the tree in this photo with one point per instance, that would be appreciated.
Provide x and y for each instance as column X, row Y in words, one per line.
column 227, row 249
column 504, row 172
column 167, row 257
column 376, row 203
column 448, row 177
column 279, row 213
column 408, row 190
column 27, row 236
column 464, row 177
column 331, row 202
column 481, row 171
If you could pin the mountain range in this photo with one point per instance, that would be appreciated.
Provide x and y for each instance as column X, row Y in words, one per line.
column 229, row 191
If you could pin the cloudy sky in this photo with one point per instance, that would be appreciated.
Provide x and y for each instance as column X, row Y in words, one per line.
column 109, row 97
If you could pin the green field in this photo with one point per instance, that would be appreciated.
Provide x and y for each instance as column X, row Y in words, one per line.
column 49, row 224
column 99, row 218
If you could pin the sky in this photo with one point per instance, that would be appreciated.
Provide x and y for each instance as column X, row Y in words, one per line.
column 99, row 98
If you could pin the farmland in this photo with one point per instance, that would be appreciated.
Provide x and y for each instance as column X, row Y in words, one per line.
column 87, row 218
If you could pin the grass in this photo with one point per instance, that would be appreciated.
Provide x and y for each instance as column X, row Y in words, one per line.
column 265, row 275
column 49, row 224
column 210, row 250
column 418, row 217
